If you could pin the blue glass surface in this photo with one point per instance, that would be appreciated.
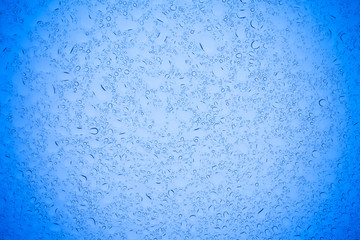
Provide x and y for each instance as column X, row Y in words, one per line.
column 179, row 119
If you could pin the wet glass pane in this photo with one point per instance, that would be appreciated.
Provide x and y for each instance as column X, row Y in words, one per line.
column 203, row 119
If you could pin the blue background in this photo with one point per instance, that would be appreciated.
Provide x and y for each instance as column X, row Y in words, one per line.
column 179, row 119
